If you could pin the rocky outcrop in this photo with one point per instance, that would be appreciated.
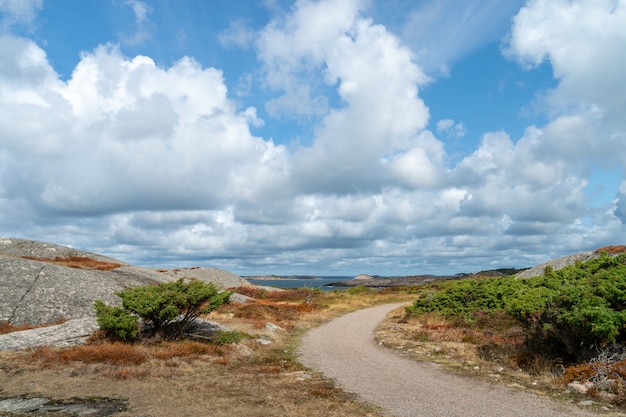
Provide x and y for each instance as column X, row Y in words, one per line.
column 41, row 283
column 559, row 263
column 220, row 277
column 70, row 333
column 38, row 287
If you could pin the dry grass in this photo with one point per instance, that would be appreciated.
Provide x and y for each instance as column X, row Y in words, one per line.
column 493, row 348
column 125, row 354
column 252, row 379
column 191, row 378
column 77, row 262
column 612, row 249
column 5, row 327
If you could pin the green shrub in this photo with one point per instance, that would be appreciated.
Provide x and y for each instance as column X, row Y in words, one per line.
column 116, row 322
column 172, row 306
column 570, row 312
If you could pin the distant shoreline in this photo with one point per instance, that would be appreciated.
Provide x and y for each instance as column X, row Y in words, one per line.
column 279, row 277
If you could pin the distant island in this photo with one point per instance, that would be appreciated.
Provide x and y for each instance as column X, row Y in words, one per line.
column 277, row 277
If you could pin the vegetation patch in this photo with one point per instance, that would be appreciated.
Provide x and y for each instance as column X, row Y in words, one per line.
column 569, row 323
column 77, row 262
column 168, row 309
column 124, row 354
column 6, row 327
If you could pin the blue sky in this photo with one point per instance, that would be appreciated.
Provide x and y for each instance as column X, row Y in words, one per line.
column 315, row 137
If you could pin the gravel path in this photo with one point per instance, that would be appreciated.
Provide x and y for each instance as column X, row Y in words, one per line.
column 345, row 350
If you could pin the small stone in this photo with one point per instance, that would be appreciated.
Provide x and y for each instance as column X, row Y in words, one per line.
column 21, row 404
column 578, row 387
column 272, row 327
column 585, row 403
column 265, row 340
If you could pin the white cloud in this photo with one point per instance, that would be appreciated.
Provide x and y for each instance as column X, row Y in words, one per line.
column 620, row 206
column 143, row 26
column 156, row 164
column 443, row 31
column 451, row 129
column 22, row 12
column 376, row 82
column 124, row 134
column 581, row 40
column 238, row 34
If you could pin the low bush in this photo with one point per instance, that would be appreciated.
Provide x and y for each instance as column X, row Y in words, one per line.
column 568, row 313
column 168, row 308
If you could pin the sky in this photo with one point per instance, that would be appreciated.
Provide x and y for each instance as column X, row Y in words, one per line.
column 330, row 137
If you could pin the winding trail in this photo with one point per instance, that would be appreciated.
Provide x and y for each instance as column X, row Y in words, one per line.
column 344, row 349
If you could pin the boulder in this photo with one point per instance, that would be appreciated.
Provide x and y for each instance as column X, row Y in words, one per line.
column 219, row 277
column 560, row 263
column 41, row 283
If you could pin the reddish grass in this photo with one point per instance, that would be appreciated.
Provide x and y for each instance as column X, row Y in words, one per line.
column 124, row 354
column 5, row 327
column 116, row 354
column 77, row 262
column 612, row 249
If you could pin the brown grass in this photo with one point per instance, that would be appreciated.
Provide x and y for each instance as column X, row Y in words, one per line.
column 492, row 347
column 5, row 327
column 251, row 379
column 192, row 378
column 77, row 262
column 123, row 353
column 612, row 249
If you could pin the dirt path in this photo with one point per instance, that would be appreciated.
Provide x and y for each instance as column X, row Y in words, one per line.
column 344, row 350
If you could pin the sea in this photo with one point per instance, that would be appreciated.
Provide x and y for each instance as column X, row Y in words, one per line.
column 320, row 283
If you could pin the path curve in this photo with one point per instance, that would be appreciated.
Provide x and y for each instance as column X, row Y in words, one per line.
column 344, row 349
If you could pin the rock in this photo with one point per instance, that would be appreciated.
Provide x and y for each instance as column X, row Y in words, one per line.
column 38, row 291
column 220, row 277
column 22, row 404
column 559, row 263
column 579, row 387
column 75, row 406
column 362, row 277
column 272, row 327
column 239, row 298
column 264, row 340
column 41, row 283
column 72, row 332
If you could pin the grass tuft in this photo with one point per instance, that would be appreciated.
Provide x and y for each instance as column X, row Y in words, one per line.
column 77, row 262
column 6, row 328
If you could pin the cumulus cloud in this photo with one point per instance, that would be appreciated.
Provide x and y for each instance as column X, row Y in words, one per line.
column 158, row 165
column 376, row 80
column 580, row 40
column 124, row 134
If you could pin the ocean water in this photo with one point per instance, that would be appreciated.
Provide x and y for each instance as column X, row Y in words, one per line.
column 299, row 283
